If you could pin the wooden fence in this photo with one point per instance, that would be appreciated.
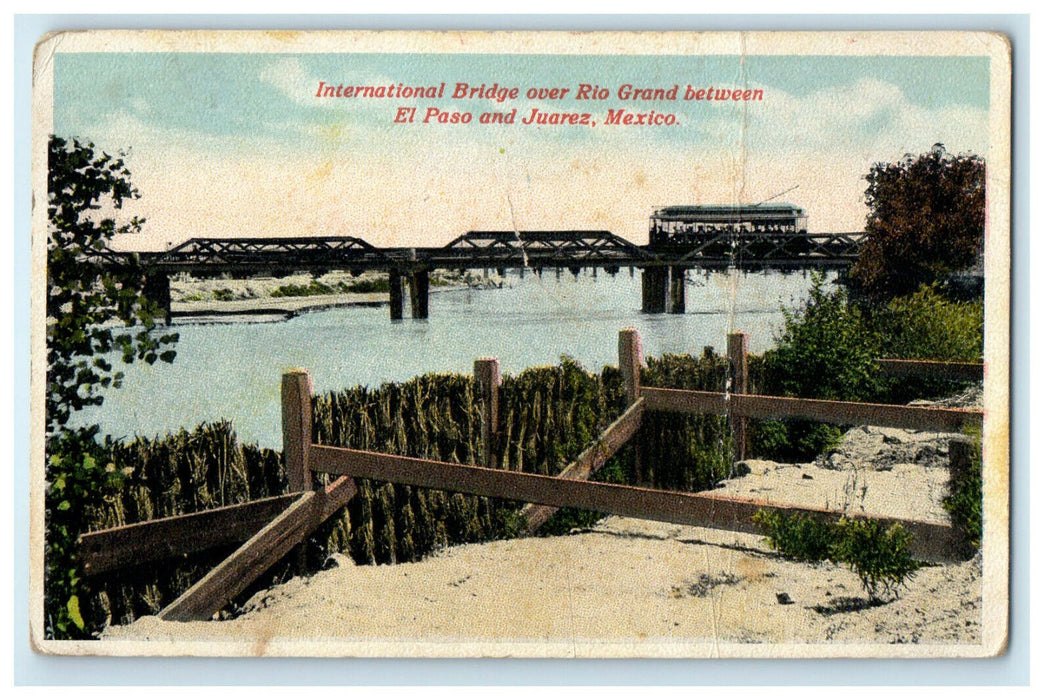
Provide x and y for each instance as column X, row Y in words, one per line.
column 273, row 527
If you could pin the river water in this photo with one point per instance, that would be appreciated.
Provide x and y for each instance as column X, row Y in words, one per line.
column 232, row 370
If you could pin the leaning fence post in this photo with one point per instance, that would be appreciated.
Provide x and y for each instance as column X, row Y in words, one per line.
column 297, row 423
column 629, row 354
column 487, row 376
column 737, row 354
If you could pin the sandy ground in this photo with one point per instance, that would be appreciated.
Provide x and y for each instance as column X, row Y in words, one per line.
column 625, row 583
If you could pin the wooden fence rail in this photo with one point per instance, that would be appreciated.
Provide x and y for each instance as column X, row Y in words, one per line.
column 176, row 536
column 235, row 573
column 590, row 460
column 838, row 412
column 289, row 529
column 964, row 371
column 931, row 541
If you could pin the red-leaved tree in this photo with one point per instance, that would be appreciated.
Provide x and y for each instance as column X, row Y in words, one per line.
column 926, row 221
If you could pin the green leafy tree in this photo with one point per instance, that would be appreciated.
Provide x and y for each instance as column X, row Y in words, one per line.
column 94, row 311
column 95, row 314
column 926, row 220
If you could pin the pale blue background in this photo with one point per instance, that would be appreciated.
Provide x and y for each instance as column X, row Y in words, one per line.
column 1012, row 668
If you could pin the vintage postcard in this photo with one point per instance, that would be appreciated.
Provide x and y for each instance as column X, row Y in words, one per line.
column 537, row 344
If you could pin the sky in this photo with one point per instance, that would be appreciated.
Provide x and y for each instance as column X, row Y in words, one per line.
column 241, row 145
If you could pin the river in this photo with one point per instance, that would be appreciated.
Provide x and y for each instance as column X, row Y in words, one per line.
column 233, row 369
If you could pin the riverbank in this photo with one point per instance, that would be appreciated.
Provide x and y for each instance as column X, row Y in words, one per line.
column 285, row 297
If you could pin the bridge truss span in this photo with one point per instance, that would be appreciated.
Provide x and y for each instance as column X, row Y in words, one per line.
column 254, row 255
column 572, row 249
column 765, row 250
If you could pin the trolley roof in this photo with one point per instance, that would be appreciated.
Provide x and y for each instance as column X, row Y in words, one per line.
column 736, row 212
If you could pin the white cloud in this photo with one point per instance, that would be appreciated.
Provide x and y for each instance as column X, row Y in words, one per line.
column 289, row 76
column 869, row 117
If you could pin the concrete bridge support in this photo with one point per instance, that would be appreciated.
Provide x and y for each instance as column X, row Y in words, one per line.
column 663, row 290
column 397, row 295
column 158, row 289
column 677, row 292
column 655, row 289
column 419, row 288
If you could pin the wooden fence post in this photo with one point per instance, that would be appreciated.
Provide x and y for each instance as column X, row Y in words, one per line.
column 629, row 354
column 487, row 376
column 960, row 453
column 737, row 354
column 629, row 350
column 297, row 424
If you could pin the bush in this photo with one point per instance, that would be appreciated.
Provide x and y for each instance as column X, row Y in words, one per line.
column 825, row 351
column 878, row 554
column 79, row 482
column 792, row 440
column 313, row 289
column 926, row 325
column 366, row 286
column 801, row 538
column 828, row 351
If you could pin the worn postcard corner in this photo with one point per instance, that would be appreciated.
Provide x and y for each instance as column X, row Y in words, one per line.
column 521, row 344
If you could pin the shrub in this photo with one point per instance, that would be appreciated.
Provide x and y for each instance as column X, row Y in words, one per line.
column 366, row 286
column 801, row 538
column 79, row 481
column 926, row 325
column 792, row 440
column 313, row 289
column 878, row 554
column 825, row 351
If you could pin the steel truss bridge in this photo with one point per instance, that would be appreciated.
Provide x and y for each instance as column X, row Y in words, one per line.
column 663, row 266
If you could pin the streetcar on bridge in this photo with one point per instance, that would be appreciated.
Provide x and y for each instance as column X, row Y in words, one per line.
column 751, row 235
column 694, row 224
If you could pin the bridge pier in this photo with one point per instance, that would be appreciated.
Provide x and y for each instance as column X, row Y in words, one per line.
column 419, row 288
column 655, row 289
column 664, row 289
column 678, row 291
column 158, row 289
column 397, row 295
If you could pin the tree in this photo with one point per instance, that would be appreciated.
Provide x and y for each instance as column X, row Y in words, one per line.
column 94, row 311
column 926, row 221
